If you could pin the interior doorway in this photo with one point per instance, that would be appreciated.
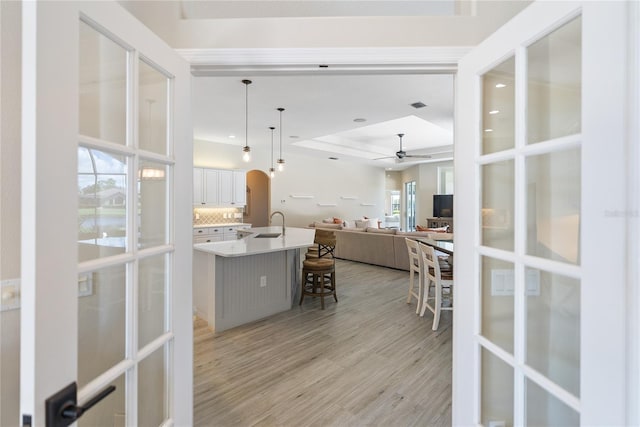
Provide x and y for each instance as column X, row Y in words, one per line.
column 256, row 211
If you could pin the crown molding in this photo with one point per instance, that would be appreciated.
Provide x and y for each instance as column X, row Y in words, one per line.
column 210, row 62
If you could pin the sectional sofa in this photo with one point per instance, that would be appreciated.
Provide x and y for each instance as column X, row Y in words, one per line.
column 371, row 245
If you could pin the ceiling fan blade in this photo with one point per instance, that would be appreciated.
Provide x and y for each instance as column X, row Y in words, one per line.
column 419, row 156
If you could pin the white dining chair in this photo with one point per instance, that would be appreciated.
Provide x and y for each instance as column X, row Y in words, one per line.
column 436, row 280
column 415, row 269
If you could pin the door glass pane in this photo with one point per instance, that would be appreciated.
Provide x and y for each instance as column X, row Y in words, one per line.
column 110, row 411
column 101, row 321
column 151, row 299
column 497, row 302
column 553, row 206
column 543, row 409
column 553, row 327
column 103, row 85
column 152, row 389
column 554, row 83
column 102, row 195
column 152, row 199
column 497, row 205
column 497, row 390
column 152, row 114
column 498, row 100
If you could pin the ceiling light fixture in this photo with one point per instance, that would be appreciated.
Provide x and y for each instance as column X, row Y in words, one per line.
column 418, row 104
column 488, row 130
column 501, row 85
column 359, row 120
column 494, row 111
column 246, row 150
column 272, row 171
column 280, row 159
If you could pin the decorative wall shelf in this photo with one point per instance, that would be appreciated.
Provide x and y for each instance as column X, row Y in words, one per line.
column 301, row 196
column 326, row 204
column 348, row 197
column 367, row 204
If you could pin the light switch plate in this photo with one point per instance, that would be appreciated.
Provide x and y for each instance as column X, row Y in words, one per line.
column 10, row 291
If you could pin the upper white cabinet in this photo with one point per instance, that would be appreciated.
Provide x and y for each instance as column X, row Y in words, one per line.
column 219, row 187
column 240, row 187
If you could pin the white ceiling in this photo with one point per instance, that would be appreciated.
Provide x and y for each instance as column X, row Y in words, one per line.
column 320, row 110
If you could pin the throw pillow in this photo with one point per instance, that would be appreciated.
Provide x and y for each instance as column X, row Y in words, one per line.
column 362, row 223
column 338, row 221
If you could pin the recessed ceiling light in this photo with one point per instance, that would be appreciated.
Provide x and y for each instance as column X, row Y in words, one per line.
column 494, row 111
column 501, row 85
column 232, row 136
column 359, row 120
column 333, row 158
column 294, row 136
column 418, row 104
column 488, row 130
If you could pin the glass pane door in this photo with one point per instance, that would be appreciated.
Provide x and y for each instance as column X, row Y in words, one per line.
column 124, row 246
column 530, row 307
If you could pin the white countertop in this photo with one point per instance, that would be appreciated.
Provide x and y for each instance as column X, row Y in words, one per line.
column 228, row 224
column 294, row 238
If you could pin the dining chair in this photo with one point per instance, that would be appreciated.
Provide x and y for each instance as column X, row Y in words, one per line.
column 415, row 269
column 436, row 280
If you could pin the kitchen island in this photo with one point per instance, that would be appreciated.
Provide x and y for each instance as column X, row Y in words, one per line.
column 239, row 281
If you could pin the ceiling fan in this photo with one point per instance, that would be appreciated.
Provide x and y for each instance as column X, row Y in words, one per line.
column 401, row 154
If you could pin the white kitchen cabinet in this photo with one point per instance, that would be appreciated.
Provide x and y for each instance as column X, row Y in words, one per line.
column 206, row 185
column 219, row 187
column 240, row 187
column 208, row 234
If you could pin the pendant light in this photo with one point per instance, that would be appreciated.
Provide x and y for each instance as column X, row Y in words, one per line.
column 246, row 156
column 272, row 171
column 280, row 159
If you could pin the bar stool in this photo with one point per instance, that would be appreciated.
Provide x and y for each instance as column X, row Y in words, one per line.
column 319, row 279
column 318, row 269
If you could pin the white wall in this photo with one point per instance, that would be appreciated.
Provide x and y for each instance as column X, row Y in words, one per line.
column 167, row 20
column 426, row 177
column 326, row 180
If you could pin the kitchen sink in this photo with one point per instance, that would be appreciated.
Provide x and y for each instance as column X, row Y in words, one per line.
column 267, row 235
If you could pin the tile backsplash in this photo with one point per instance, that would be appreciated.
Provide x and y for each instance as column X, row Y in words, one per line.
column 205, row 216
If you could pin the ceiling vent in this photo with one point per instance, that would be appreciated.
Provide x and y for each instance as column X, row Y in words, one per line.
column 418, row 104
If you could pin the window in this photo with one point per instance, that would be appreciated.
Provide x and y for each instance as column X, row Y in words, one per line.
column 445, row 180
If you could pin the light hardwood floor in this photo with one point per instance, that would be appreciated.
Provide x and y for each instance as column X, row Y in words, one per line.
column 367, row 360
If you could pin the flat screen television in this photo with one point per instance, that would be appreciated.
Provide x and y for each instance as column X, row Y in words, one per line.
column 443, row 205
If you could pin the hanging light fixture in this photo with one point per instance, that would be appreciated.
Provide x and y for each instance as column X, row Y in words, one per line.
column 280, row 159
column 246, row 156
column 272, row 171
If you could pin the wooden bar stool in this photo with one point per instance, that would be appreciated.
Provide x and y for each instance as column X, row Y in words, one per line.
column 319, row 279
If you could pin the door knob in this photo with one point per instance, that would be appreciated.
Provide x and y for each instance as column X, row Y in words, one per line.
column 62, row 408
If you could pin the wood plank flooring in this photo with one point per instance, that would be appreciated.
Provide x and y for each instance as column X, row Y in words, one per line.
column 367, row 360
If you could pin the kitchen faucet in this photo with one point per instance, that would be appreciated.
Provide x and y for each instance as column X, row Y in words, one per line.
column 271, row 219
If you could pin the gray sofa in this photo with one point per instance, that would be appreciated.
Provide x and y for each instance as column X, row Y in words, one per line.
column 384, row 247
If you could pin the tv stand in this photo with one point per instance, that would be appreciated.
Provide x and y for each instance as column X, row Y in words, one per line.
column 440, row 222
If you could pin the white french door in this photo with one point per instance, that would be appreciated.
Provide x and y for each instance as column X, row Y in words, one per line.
column 539, row 325
column 106, row 204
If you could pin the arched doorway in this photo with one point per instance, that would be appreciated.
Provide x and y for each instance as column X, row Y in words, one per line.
column 256, row 211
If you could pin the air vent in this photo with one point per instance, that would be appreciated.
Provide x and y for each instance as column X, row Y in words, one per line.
column 418, row 104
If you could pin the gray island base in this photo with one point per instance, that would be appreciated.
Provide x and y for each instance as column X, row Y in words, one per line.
column 237, row 282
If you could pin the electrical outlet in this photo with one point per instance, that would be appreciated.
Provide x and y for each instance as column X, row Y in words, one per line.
column 263, row 281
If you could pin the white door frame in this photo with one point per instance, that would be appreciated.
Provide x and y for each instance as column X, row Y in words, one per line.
column 49, row 313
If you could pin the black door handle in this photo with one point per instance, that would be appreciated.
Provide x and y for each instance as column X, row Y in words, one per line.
column 62, row 408
column 74, row 412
